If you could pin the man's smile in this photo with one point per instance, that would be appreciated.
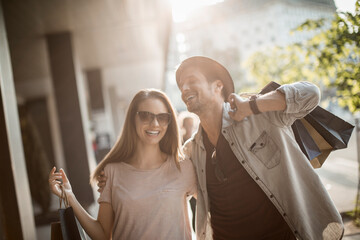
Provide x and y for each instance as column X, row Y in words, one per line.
column 188, row 97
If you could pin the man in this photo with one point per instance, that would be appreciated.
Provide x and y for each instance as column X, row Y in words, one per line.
column 253, row 180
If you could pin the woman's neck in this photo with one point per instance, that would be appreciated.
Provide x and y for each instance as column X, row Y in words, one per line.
column 148, row 157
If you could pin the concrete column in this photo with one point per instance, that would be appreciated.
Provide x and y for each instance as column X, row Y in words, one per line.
column 118, row 117
column 94, row 83
column 69, row 113
column 17, row 217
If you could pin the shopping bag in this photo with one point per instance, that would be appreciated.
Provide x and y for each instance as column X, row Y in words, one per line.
column 319, row 132
column 70, row 228
column 311, row 143
column 56, row 233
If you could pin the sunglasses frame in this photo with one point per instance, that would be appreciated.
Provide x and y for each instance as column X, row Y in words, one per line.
column 153, row 116
column 219, row 173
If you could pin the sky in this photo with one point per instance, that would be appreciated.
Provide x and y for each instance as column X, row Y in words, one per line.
column 345, row 5
column 181, row 8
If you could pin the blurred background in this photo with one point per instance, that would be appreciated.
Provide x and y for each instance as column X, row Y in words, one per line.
column 69, row 68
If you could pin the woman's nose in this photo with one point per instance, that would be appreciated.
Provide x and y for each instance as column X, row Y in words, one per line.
column 155, row 122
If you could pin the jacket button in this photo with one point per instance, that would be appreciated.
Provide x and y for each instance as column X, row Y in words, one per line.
column 284, row 214
column 257, row 178
column 296, row 232
column 224, row 131
column 232, row 144
column 202, row 170
column 242, row 161
column 271, row 196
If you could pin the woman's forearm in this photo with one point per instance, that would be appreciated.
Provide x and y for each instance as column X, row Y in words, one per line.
column 91, row 225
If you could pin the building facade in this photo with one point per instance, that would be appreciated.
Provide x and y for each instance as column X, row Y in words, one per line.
column 232, row 30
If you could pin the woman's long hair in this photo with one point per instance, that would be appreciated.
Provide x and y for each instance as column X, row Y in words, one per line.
column 126, row 144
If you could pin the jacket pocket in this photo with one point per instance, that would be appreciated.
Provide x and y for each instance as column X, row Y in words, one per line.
column 266, row 150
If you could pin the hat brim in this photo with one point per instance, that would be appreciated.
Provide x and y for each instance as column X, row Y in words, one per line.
column 210, row 67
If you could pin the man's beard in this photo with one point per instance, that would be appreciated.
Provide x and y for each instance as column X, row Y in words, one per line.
column 196, row 107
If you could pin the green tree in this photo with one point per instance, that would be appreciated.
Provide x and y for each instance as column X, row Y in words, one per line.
column 282, row 65
column 331, row 58
column 336, row 52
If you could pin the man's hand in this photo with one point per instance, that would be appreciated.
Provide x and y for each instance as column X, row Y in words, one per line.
column 101, row 181
column 240, row 107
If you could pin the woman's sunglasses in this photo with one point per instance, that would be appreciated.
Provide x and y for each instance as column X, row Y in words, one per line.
column 147, row 117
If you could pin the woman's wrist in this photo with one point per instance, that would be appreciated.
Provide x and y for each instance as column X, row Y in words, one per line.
column 70, row 197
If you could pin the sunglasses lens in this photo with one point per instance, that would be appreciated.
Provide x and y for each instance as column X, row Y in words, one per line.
column 163, row 118
column 146, row 117
column 220, row 175
column 218, row 172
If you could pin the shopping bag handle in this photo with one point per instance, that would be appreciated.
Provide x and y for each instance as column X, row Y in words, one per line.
column 63, row 197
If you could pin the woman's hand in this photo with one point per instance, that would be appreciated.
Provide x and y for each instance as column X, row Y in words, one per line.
column 100, row 228
column 54, row 182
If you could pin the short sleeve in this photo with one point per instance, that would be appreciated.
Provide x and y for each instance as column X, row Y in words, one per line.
column 190, row 177
column 105, row 196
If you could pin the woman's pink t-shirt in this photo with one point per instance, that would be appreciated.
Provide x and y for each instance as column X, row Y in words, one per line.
column 150, row 204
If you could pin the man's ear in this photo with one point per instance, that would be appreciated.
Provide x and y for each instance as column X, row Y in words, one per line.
column 219, row 85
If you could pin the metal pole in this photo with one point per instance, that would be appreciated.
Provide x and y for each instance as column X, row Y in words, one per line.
column 357, row 203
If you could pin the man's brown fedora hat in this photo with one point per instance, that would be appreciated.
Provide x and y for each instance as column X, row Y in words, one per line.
column 211, row 69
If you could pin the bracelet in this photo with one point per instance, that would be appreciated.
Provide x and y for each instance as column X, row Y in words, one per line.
column 253, row 106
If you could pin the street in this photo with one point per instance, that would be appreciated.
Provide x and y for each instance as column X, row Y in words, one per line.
column 339, row 175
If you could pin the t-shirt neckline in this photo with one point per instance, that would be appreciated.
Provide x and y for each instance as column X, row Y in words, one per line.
column 131, row 167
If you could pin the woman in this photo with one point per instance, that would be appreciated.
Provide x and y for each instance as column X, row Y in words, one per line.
column 147, row 180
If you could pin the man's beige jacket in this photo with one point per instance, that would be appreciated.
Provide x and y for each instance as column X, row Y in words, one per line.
column 265, row 146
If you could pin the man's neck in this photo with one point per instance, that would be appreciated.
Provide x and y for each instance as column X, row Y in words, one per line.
column 211, row 122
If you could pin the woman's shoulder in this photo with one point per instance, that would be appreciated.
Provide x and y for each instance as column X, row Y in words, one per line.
column 185, row 163
column 188, row 174
column 110, row 167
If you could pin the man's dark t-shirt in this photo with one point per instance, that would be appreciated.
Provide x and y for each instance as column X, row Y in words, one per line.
column 239, row 208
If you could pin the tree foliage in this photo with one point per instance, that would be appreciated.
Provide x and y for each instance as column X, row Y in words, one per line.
column 331, row 58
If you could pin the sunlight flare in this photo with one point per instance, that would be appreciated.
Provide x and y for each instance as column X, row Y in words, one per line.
column 181, row 9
